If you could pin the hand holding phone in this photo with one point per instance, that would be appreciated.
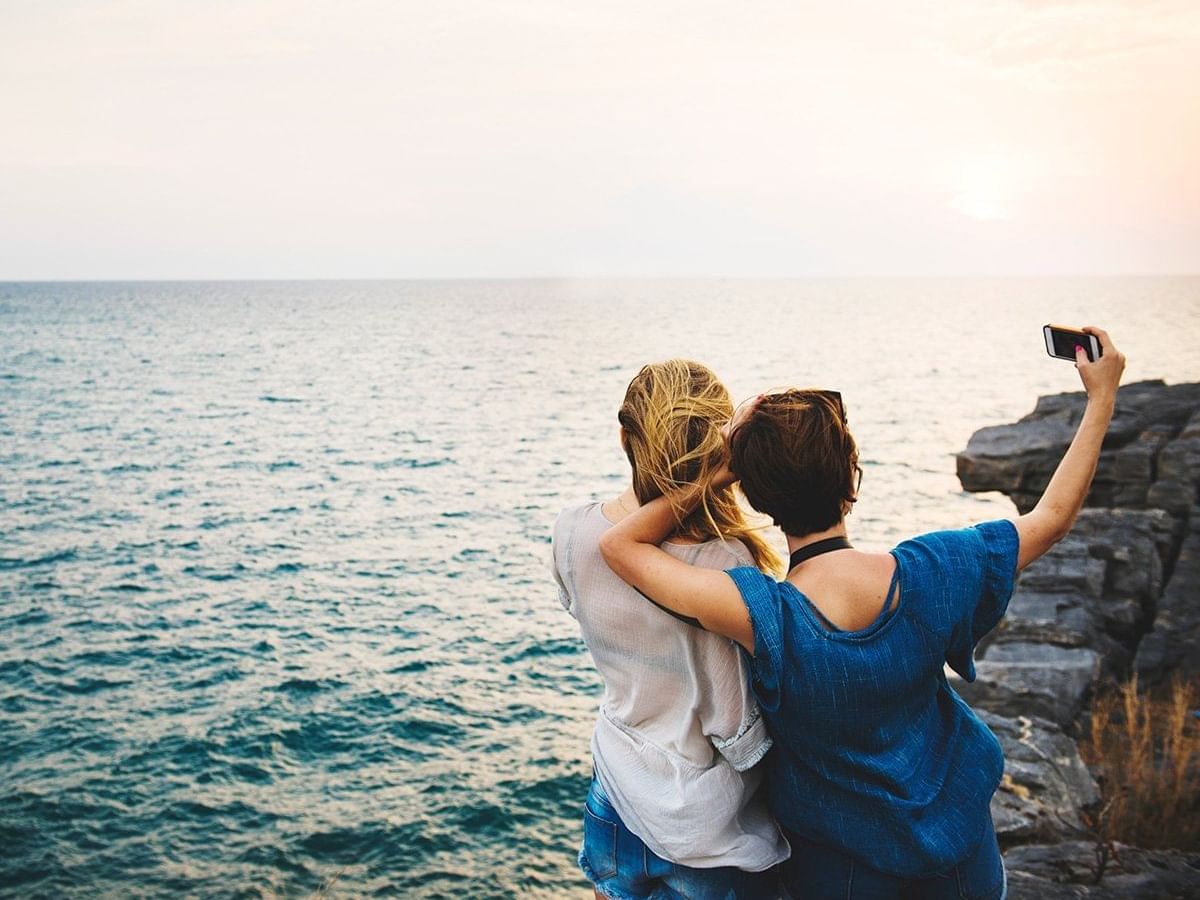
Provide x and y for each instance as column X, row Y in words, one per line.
column 1101, row 370
column 1061, row 343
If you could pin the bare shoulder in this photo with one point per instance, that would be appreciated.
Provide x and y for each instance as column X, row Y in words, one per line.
column 885, row 564
column 858, row 567
column 875, row 587
column 850, row 591
column 847, row 572
column 871, row 574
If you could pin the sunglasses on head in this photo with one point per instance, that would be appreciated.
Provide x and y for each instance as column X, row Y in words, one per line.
column 833, row 397
column 836, row 398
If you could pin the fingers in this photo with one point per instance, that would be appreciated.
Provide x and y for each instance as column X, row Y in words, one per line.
column 1101, row 335
column 1107, row 349
column 1103, row 373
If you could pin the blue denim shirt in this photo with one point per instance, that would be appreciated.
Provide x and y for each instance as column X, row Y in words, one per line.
column 875, row 754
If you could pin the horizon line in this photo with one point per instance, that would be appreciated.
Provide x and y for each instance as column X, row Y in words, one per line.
column 484, row 278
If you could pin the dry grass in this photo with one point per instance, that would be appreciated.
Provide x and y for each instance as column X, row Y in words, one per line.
column 1146, row 749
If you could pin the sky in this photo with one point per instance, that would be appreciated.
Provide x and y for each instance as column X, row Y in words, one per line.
column 522, row 138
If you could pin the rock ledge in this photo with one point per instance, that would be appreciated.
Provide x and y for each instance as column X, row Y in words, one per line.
column 1120, row 595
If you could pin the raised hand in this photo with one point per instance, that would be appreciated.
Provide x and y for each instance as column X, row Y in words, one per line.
column 1101, row 377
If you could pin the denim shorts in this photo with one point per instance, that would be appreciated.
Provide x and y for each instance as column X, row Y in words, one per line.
column 620, row 866
column 815, row 872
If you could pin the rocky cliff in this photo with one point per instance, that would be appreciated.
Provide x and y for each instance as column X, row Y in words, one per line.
column 1121, row 594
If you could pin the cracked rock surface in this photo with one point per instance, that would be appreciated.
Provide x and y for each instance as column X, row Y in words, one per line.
column 1120, row 595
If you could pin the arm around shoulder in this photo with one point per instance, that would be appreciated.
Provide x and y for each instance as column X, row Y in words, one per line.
column 709, row 595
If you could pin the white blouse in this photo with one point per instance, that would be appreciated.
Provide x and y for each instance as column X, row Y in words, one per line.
column 678, row 731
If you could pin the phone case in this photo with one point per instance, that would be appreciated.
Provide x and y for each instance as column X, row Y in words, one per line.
column 1090, row 342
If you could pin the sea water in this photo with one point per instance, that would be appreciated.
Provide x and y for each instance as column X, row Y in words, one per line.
column 275, row 616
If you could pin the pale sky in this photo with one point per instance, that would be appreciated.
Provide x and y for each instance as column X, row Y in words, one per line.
column 469, row 138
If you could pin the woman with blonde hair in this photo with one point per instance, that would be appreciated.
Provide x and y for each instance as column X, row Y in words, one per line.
column 674, row 808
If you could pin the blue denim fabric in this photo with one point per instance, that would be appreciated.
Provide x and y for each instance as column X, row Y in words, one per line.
column 820, row 873
column 615, row 860
column 875, row 755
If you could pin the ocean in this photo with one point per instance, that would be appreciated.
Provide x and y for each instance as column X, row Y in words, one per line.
column 275, row 613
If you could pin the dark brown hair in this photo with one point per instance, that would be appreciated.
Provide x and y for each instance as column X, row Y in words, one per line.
column 796, row 460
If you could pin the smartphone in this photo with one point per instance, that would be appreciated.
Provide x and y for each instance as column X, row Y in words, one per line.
column 1060, row 343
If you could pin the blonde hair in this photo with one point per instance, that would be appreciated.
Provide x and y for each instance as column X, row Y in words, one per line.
column 672, row 416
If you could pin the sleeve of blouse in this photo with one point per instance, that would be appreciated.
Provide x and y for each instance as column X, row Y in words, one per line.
column 760, row 593
column 747, row 741
column 557, row 560
column 965, row 583
column 730, row 715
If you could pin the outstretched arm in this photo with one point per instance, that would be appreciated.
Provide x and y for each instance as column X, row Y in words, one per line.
column 1048, row 522
column 631, row 550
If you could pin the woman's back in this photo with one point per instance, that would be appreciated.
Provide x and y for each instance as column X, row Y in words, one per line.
column 677, row 721
column 849, row 587
column 876, row 751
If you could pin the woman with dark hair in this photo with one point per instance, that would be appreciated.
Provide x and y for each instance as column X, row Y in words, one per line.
column 881, row 775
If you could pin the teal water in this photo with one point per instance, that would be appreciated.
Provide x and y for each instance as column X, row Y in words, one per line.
column 274, row 611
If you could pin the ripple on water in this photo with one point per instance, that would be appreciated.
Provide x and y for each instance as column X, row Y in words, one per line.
column 49, row 559
column 371, row 841
column 307, row 685
column 35, row 615
column 532, row 648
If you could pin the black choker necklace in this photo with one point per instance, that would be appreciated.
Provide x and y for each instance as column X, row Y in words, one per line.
column 808, row 551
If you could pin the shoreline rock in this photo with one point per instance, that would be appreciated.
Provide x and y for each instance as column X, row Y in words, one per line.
column 1154, row 439
column 1068, row 870
column 1119, row 596
column 1172, row 644
column 1046, row 786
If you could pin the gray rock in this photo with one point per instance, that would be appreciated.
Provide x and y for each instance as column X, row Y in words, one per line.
column 1154, row 435
column 1179, row 459
column 1069, row 869
column 1022, row 886
column 1134, row 546
column 1109, row 533
column 1173, row 496
column 1099, row 585
column 1066, row 407
column 1072, row 861
column 1069, row 566
column 1125, row 475
column 1145, row 404
column 1025, row 501
column 1062, row 618
column 1014, row 458
column 1135, row 462
column 1172, row 647
column 1098, row 589
column 1125, row 581
column 1046, row 786
column 1026, row 678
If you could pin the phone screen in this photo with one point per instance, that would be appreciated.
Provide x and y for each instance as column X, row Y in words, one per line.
column 1064, row 342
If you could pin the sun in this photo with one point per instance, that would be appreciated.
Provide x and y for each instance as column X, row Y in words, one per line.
column 983, row 188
